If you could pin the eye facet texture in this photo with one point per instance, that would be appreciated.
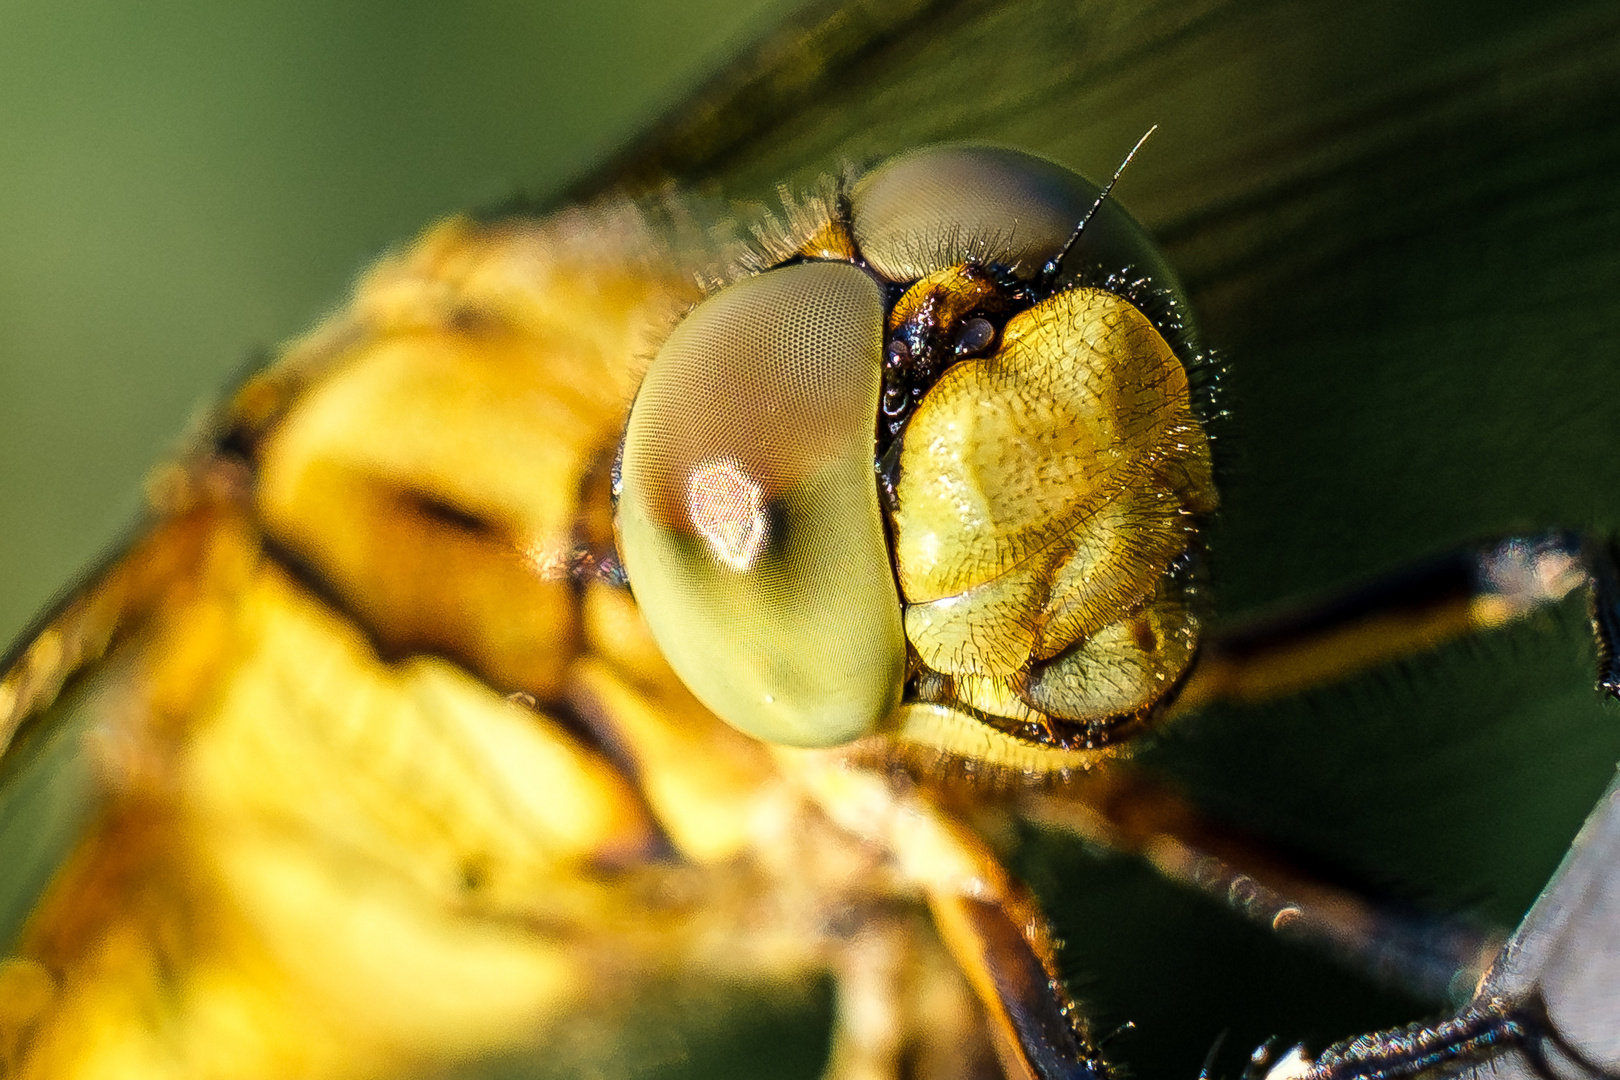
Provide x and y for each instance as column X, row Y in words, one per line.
column 748, row 513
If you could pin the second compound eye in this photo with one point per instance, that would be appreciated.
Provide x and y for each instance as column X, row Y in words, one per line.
column 748, row 517
column 930, row 209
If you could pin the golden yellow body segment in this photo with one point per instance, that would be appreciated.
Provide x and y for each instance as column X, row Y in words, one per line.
column 330, row 846
column 390, row 776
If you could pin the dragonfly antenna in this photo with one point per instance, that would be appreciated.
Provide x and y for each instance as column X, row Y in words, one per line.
column 1050, row 271
column 1124, row 1029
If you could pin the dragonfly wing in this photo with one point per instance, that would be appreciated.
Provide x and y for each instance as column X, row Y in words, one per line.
column 50, row 795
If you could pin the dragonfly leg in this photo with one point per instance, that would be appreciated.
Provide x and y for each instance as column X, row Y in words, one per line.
column 1122, row 809
column 1009, row 962
column 1603, row 564
column 989, row 924
column 1471, row 590
column 1470, row 1037
column 1548, row 1008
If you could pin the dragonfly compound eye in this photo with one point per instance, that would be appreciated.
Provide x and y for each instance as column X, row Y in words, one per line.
column 748, row 516
column 942, row 206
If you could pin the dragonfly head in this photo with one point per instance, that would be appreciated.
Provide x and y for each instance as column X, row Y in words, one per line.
column 923, row 479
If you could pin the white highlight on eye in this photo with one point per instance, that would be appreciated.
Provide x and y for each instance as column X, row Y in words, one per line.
column 727, row 508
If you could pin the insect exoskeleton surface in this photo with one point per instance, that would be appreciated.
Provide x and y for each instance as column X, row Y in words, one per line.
column 937, row 475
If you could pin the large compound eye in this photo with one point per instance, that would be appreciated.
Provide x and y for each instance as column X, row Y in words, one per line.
column 923, row 211
column 748, row 515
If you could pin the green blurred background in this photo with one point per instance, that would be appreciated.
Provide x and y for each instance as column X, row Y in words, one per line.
column 184, row 185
